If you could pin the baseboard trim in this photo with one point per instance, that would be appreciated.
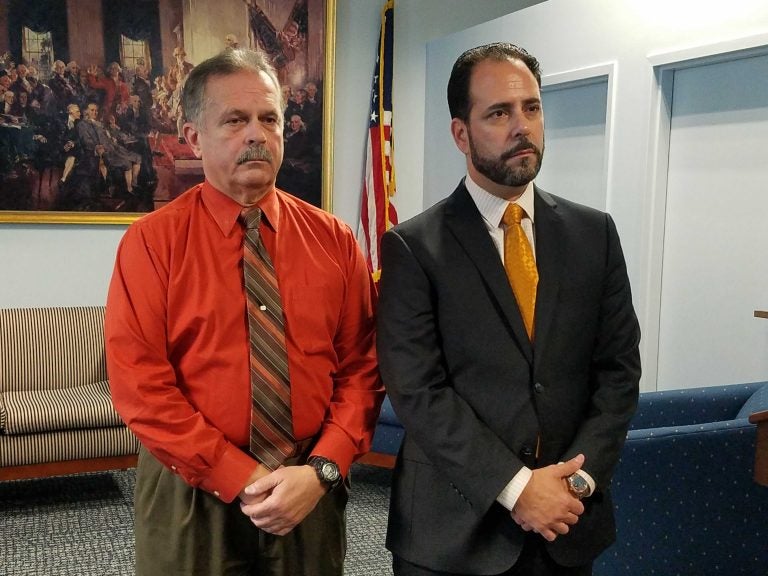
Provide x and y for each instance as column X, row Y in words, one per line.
column 48, row 469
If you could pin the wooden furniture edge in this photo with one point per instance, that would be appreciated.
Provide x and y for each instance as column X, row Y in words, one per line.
column 758, row 417
column 761, row 446
column 378, row 459
column 61, row 468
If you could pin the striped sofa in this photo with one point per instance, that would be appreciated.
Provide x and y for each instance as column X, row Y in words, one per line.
column 56, row 414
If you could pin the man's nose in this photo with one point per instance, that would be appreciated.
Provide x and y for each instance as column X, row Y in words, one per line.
column 520, row 125
column 255, row 133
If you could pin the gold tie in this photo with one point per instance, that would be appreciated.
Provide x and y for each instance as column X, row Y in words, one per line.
column 520, row 265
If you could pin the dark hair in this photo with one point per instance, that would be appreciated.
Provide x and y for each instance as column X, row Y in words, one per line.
column 458, row 84
column 230, row 61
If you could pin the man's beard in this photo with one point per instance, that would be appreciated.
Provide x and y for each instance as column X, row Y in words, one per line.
column 498, row 171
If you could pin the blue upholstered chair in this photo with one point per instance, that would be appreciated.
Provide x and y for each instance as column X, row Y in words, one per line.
column 686, row 502
column 389, row 431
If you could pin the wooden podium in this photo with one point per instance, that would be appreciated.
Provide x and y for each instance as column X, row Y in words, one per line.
column 761, row 420
column 761, row 446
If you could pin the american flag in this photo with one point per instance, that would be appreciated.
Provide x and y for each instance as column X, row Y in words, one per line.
column 377, row 213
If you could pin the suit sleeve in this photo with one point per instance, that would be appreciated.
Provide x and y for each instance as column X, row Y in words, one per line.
column 615, row 370
column 437, row 420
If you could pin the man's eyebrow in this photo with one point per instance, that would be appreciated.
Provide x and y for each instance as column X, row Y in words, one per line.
column 499, row 106
column 233, row 112
column 509, row 106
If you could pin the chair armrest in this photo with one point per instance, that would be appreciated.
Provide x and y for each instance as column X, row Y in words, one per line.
column 701, row 453
column 691, row 405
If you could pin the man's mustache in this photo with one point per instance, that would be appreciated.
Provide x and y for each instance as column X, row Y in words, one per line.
column 524, row 144
column 256, row 152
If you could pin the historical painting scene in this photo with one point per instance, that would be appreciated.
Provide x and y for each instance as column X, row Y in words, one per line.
column 91, row 117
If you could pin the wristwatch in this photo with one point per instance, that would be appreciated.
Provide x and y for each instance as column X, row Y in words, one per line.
column 578, row 485
column 327, row 471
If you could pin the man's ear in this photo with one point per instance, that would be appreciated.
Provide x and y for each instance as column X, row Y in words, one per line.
column 459, row 130
column 192, row 136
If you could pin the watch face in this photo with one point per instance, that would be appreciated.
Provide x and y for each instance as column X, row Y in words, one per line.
column 330, row 471
column 578, row 484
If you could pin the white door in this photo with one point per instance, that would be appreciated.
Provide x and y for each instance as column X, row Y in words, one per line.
column 715, row 263
column 574, row 156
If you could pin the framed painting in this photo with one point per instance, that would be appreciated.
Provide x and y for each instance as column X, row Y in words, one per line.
column 90, row 116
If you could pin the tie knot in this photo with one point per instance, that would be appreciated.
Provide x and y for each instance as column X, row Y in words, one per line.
column 513, row 214
column 251, row 217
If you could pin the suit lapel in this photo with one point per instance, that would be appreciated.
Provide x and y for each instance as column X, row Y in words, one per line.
column 550, row 260
column 465, row 222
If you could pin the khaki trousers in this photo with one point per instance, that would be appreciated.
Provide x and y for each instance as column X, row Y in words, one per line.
column 182, row 530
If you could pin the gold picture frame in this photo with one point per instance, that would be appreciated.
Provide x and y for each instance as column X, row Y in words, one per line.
column 14, row 44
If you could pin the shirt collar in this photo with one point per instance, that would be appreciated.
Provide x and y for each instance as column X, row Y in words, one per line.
column 226, row 211
column 492, row 207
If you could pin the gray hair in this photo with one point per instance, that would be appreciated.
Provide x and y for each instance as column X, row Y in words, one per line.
column 225, row 63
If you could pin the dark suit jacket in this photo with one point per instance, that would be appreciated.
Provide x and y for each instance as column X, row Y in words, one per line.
column 472, row 392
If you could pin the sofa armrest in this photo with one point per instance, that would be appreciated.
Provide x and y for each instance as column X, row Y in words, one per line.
column 691, row 405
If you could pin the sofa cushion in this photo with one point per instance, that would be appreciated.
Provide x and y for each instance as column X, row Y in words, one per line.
column 756, row 403
column 84, row 406
column 45, row 348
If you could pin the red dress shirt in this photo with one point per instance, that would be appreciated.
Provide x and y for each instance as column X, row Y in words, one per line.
column 177, row 344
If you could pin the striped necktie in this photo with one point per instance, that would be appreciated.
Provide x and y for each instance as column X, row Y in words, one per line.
column 520, row 265
column 272, row 438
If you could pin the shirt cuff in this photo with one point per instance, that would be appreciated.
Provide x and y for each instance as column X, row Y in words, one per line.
column 230, row 475
column 337, row 447
column 511, row 492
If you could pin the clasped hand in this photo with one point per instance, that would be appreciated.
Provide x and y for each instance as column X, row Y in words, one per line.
column 277, row 502
column 546, row 505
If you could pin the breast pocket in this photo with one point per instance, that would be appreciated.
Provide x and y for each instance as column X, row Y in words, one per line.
column 312, row 316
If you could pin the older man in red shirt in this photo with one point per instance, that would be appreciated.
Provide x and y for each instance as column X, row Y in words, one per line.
column 178, row 350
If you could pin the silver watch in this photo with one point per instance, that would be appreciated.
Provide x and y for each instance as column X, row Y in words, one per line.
column 578, row 485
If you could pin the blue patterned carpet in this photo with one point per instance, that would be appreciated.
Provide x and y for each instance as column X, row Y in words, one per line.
column 83, row 525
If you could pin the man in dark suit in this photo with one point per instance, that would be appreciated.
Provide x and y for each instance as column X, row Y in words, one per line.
column 63, row 92
column 515, row 398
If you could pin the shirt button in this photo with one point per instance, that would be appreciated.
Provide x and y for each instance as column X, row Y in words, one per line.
column 538, row 387
column 216, row 493
column 527, row 451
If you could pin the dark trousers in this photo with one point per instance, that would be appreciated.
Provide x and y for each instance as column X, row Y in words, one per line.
column 181, row 530
column 533, row 561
